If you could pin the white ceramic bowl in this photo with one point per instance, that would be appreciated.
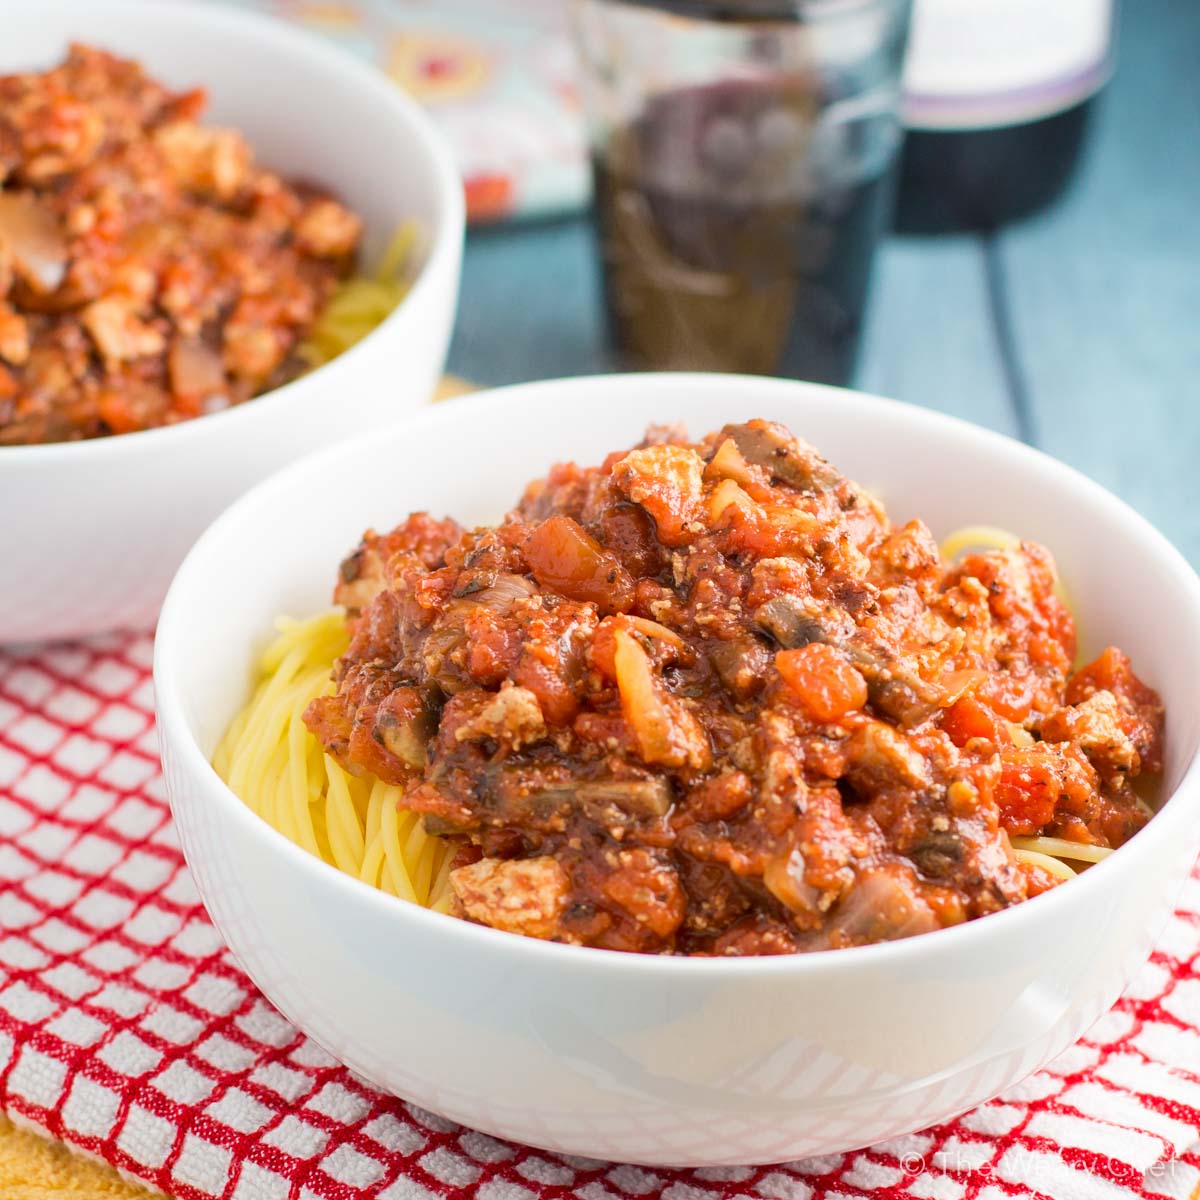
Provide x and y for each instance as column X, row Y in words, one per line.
column 93, row 531
column 652, row 1059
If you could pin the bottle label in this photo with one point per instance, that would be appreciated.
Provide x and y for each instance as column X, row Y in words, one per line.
column 976, row 64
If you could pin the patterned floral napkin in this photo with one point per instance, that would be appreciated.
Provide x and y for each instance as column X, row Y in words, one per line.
column 496, row 75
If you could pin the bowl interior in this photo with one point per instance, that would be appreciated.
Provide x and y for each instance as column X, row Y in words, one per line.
column 309, row 111
column 276, row 551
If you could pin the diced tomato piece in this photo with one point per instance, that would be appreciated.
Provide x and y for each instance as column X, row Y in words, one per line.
column 1027, row 792
column 1046, row 649
column 494, row 647
column 557, row 700
column 604, row 647
column 629, row 533
column 432, row 591
column 564, row 557
column 605, row 729
column 1044, row 783
column 1111, row 672
column 767, row 533
column 720, row 798
column 824, row 684
column 1039, row 880
column 967, row 718
column 1011, row 696
column 648, row 890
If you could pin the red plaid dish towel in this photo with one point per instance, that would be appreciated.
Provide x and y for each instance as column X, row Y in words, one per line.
column 128, row 1031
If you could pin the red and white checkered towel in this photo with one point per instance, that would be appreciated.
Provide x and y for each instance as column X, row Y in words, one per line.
column 127, row 1030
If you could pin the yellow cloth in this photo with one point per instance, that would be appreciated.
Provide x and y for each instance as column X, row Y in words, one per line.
column 451, row 385
column 32, row 1168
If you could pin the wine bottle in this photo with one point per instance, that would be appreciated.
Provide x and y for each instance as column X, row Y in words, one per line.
column 997, row 100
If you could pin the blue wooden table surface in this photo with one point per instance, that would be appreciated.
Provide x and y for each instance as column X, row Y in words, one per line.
column 1078, row 330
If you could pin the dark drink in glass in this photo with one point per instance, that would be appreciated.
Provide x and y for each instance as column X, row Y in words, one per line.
column 716, row 255
column 737, row 216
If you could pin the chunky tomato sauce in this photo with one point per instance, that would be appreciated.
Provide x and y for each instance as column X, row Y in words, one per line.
column 150, row 271
column 706, row 699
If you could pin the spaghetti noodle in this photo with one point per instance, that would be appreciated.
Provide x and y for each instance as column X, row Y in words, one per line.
column 1069, row 857
column 362, row 303
column 271, row 761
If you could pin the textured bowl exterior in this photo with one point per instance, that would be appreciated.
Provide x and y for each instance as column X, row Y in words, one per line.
column 646, row 1059
column 95, row 530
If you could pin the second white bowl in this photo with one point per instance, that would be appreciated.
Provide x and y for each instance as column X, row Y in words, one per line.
column 94, row 530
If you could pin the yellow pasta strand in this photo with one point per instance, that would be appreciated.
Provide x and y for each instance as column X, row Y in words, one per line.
column 297, row 759
column 270, row 759
column 441, row 892
column 398, row 869
column 372, row 863
column 1046, row 861
column 1061, row 848
column 345, row 835
column 360, row 304
column 977, row 537
column 375, row 810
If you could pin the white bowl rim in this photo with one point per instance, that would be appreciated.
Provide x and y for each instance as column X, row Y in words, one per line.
column 443, row 243
column 1170, row 819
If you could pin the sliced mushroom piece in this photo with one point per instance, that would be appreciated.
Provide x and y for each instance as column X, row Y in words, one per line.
column 408, row 741
column 939, row 855
column 436, row 826
column 360, row 579
column 741, row 666
column 513, row 794
column 405, row 723
column 787, row 621
column 894, row 688
column 503, row 592
column 638, row 797
column 785, row 457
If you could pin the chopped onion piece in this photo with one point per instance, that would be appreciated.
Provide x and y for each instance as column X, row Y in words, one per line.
column 36, row 240
column 196, row 368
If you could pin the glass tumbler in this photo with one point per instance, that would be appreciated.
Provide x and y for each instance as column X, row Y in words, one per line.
column 743, row 159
